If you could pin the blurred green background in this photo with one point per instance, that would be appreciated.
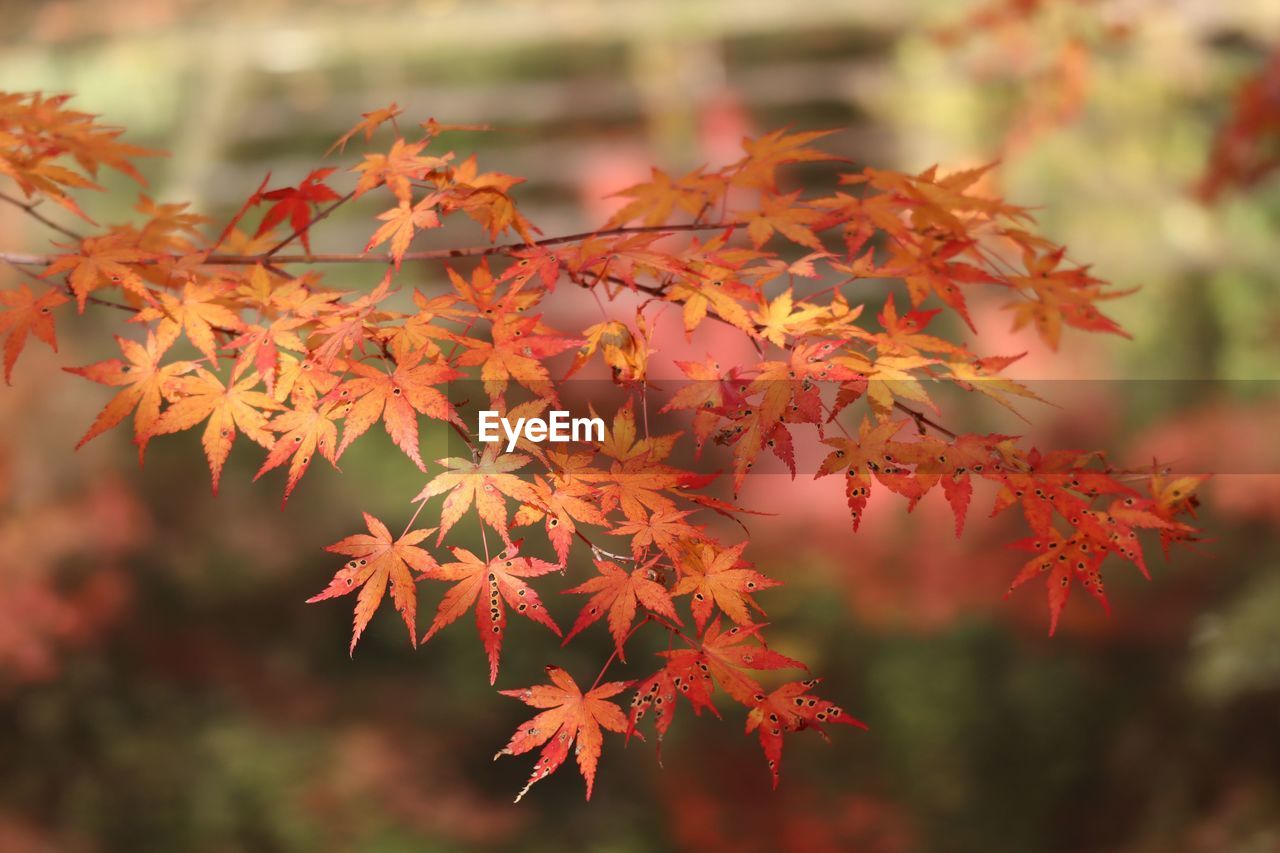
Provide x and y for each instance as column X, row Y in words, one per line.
column 163, row 687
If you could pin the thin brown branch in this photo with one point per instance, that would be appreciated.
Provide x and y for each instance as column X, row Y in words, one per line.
column 923, row 420
column 322, row 215
column 223, row 259
column 600, row 677
column 598, row 552
column 29, row 207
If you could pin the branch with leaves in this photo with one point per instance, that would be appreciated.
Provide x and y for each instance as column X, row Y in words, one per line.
column 231, row 334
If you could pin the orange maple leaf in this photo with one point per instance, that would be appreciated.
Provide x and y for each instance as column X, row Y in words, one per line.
column 369, row 122
column 560, row 507
column 198, row 313
column 572, row 717
column 377, row 560
column 621, row 593
column 307, row 429
column 203, row 396
column 397, row 169
column 486, row 482
column 103, row 262
column 401, row 222
column 397, row 398
column 719, row 577
column 22, row 313
column 143, row 379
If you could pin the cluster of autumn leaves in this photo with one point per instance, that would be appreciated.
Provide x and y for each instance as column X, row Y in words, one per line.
column 230, row 338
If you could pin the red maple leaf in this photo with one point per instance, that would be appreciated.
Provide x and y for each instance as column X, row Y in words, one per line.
column 791, row 708
column 295, row 204
column 501, row 577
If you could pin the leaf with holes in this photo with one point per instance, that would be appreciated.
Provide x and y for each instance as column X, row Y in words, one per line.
column 621, row 593
column 376, row 560
column 226, row 408
column 719, row 578
column 792, row 708
column 487, row 482
column 501, row 580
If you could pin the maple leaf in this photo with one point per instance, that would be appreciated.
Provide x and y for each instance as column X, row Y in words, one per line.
column 686, row 675
column 377, row 560
column 904, row 335
column 1059, row 295
column 872, row 453
column 1171, row 497
column 397, row 398
column 571, row 719
column 22, row 313
column 928, row 265
column 625, row 353
column 623, row 443
column 1061, row 561
column 516, row 352
column 534, row 261
column 203, row 396
column 197, row 313
column 369, row 122
column 345, row 328
column 401, row 222
column 169, row 227
column 791, row 708
column 143, row 380
column 621, row 593
column 778, row 320
column 259, row 347
column 782, row 214
column 710, row 392
column 713, row 291
column 397, row 169
column 419, row 333
column 37, row 131
column 307, row 429
column 722, row 657
column 655, row 200
column 759, row 167
column 102, row 262
column 937, row 462
column 486, row 482
column 664, row 529
column 484, row 197
column 561, row 507
column 296, row 203
column 718, row 577
column 729, row 653
column 501, row 577
column 482, row 292
column 299, row 378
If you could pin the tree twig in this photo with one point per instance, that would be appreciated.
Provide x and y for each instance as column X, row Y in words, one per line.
column 322, row 215
column 224, row 259
column 29, row 207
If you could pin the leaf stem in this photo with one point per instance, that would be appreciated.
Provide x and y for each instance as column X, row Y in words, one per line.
column 614, row 656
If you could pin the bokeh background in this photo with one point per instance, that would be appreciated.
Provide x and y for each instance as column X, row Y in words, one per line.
column 163, row 687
